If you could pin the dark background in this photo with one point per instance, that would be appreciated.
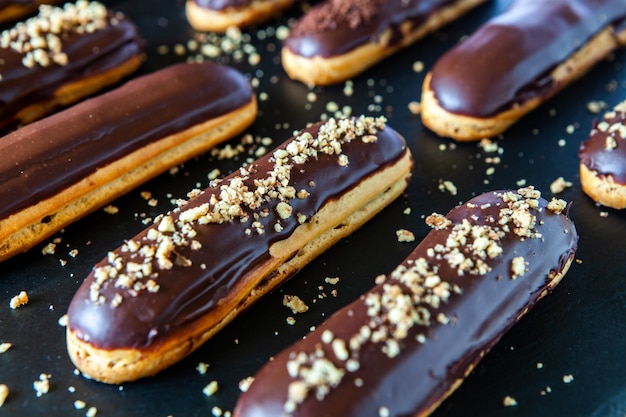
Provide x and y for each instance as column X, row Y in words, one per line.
column 578, row 330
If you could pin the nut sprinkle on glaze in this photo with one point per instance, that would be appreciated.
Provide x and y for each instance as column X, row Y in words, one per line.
column 179, row 281
column 40, row 38
column 61, row 55
column 409, row 342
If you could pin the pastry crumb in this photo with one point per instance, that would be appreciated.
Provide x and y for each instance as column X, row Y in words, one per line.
column 448, row 186
column 19, row 300
column 245, row 383
column 210, row 389
column 4, row 393
column 295, row 304
column 331, row 280
column 49, row 249
column 509, row 401
column 202, row 368
column 91, row 412
column 79, row 404
column 568, row 378
column 559, row 185
column 110, row 209
column 415, row 107
column 42, row 385
column 63, row 320
column 404, row 235
column 5, row 346
column 290, row 321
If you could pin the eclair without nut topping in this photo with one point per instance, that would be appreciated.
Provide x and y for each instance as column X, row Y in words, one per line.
column 406, row 344
column 338, row 39
column 62, row 55
column 62, row 167
column 219, row 15
column 517, row 61
column 166, row 291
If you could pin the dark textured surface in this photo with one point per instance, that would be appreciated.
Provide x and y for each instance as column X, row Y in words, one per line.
column 577, row 330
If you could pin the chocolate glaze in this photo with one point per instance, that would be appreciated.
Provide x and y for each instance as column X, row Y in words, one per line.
column 509, row 59
column 5, row 3
column 321, row 32
column 88, row 54
column 413, row 381
column 56, row 152
column 221, row 4
column 597, row 157
column 228, row 254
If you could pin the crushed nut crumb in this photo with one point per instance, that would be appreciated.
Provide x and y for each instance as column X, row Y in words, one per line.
column 295, row 304
column 19, row 300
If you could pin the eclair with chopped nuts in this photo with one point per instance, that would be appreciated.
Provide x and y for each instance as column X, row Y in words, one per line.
column 219, row 15
column 517, row 61
column 409, row 342
column 11, row 10
column 67, row 165
column 339, row 39
column 603, row 159
column 62, row 55
column 167, row 290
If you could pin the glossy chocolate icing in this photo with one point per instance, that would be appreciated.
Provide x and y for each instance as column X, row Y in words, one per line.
column 423, row 370
column 605, row 150
column 509, row 59
column 316, row 35
column 49, row 155
column 89, row 54
column 221, row 4
column 228, row 254
column 5, row 3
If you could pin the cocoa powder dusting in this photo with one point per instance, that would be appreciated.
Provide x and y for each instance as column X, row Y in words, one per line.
column 328, row 16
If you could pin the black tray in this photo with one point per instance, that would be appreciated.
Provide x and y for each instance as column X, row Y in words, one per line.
column 577, row 331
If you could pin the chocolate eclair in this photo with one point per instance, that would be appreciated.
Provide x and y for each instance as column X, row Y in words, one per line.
column 339, row 39
column 62, row 55
column 517, row 61
column 11, row 10
column 603, row 159
column 64, row 166
column 407, row 343
column 219, row 15
column 166, row 291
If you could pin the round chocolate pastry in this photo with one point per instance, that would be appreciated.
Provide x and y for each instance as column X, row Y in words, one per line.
column 603, row 159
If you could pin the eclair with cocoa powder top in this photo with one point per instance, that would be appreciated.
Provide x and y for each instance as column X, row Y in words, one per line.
column 219, row 15
column 603, row 159
column 407, row 343
column 62, row 167
column 166, row 291
column 339, row 39
column 61, row 56
column 517, row 61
